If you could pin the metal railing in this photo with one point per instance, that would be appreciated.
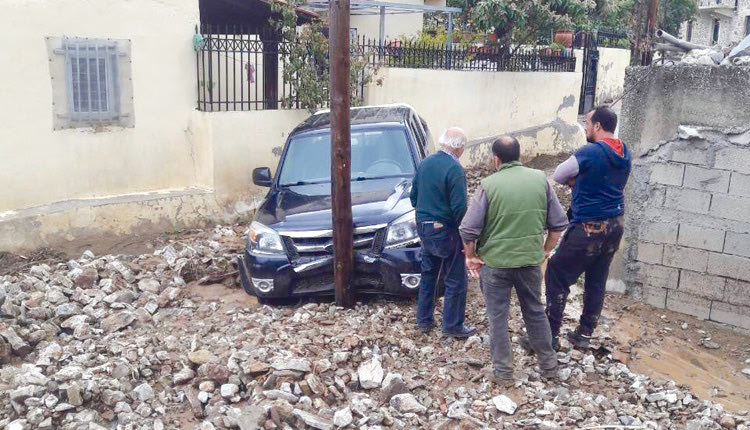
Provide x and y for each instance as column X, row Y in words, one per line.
column 240, row 69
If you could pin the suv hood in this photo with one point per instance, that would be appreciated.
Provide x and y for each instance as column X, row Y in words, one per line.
column 308, row 207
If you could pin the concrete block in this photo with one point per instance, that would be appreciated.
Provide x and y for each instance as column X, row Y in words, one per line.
column 737, row 244
column 667, row 174
column 733, row 158
column 657, row 195
column 699, row 237
column 650, row 252
column 687, row 200
column 738, row 316
column 685, row 258
column 690, row 155
column 657, row 276
column 688, row 304
column 739, row 185
column 731, row 207
column 737, row 292
column 655, row 296
column 659, row 232
column 701, row 285
column 706, row 179
column 730, row 266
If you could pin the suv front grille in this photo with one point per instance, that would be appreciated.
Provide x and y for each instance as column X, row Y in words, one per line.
column 312, row 247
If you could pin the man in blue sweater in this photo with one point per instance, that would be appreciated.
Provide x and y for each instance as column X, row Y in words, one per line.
column 439, row 196
column 598, row 173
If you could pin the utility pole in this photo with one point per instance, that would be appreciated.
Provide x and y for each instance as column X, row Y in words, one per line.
column 652, row 18
column 341, row 152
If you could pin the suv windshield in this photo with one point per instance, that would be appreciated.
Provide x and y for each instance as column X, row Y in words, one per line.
column 376, row 153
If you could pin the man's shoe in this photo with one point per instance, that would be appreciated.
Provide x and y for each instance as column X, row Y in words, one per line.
column 426, row 328
column 502, row 381
column 462, row 333
column 549, row 374
column 579, row 340
column 526, row 344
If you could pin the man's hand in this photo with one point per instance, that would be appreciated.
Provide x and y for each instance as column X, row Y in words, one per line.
column 474, row 264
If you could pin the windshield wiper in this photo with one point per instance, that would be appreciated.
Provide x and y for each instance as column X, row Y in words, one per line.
column 291, row 184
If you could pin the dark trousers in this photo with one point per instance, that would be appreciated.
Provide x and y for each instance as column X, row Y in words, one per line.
column 496, row 286
column 589, row 248
column 442, row 255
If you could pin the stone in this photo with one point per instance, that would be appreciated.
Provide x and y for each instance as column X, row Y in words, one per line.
column 149, row 285
column 200, row 357
column 229, row 390
column 407, row 403
column 117, row 321
column 75, row 394
column 313, row 420
column 370, row 373
column 203, row 396
column 18, row 345
column 458, row 409
column 207, row 386
column 143, row 392
column 183, row 376
column 76, row 320
column 255, row 368
column 279, row 394
column 746, row 371
column 66, row 310
column 296, row 364
column 87, row 278
column 343, row 417
column 504, row 404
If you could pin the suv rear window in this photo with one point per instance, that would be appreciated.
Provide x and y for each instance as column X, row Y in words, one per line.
column 376, row 153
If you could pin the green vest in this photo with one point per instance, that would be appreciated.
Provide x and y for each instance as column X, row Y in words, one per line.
column 513, row 233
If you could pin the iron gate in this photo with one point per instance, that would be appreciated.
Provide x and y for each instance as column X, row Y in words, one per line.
column 590, row 65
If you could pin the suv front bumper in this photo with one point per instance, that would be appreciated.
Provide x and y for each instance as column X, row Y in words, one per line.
column 392, row 271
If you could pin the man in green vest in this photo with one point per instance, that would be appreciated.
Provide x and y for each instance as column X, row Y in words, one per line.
column 503, row 234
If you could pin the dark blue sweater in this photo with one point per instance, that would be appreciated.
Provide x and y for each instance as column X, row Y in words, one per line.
column 599, row 186
column 439, row 190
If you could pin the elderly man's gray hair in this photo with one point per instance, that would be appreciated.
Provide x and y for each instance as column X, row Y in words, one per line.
column 453, row 137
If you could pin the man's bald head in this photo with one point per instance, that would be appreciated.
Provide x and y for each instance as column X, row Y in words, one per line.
column 506, row 148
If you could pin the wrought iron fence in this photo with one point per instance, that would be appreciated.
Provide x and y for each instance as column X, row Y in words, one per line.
column 240, row 68
column 608, row 38
column 465, row 57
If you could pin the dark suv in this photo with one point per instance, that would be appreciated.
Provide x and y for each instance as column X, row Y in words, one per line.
column 290, row 249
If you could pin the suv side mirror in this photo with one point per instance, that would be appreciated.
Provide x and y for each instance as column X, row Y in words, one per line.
column 262, row 176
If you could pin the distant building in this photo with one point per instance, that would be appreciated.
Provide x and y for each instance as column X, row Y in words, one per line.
column 721, row 22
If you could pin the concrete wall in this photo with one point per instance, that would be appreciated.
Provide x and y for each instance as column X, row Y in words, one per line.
column 541, row 109
column 396, row 24
column 688, row 221
column 42, row 166
column 610, row 74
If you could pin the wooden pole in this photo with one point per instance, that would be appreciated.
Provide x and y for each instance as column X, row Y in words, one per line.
column 341, row 198
column 652, row 18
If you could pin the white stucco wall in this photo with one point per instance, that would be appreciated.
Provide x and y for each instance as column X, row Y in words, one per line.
column 610, row 74
column 42, row 166
column 540, row 108
column 396, row 25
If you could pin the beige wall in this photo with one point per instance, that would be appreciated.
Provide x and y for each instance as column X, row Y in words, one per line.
column 610, row 74
column 540, row 108
column 396, row 25
column 41, row 166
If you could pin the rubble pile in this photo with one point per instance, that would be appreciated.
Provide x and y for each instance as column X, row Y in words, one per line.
column 117, row 342
column 690, row 53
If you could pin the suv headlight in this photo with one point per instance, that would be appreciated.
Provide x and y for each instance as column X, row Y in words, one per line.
column 264, row 240
column 402, row 231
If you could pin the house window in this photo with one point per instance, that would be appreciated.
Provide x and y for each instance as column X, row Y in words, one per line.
column 715, row 36
column 747, row 25
column 91, row 82
column 689, row 32
column 93, row 87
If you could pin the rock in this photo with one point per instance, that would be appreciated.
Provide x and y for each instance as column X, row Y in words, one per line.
column 229, row 390
column 316, row 385
column 746, row 371
column 200, row 357
column 343, row 417
column 18, row 345
column 143, row 392
column 251, row 417
column 564, row 373
column 117, row 321
column 392, row 384
column 407, row 403
column 296, row 364
column 504, row 404
column 279, row 394
column 5, row 350
column 370, row 373
column 66, row 310
column 458, row 409
column 255, row 368
column 76, row 320
column 183, row 376
column 203, row 396
column 149, row 285
column 313, row 421
column 75, row 396
column 709, row 344
column 207, row 386
column 87, row 278
column 728, row 422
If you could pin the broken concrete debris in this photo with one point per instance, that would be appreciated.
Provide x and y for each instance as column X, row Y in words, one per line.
column 88, row 353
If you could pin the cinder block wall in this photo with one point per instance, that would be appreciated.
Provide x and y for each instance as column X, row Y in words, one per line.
column 687, row 246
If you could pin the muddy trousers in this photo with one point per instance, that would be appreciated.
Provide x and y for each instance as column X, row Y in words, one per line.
column 586, row 248
column 496, row 286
